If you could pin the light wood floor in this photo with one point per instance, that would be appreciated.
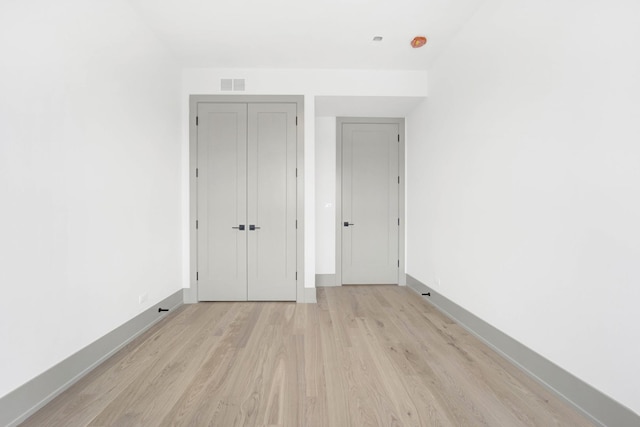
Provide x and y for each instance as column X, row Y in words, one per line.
column 375, row 355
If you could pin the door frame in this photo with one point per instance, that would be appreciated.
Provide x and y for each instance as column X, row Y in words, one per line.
column 340, row 121
column 194, row 100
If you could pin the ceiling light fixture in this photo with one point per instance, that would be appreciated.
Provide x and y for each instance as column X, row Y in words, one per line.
column 418, row 41
column 377, row 39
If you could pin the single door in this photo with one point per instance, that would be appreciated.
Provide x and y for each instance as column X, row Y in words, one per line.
column 222, row 202
column 370, row 214
column 271, row 195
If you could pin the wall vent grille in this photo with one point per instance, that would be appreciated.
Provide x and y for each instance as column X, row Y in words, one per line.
column 226, row 84
column 238, row 84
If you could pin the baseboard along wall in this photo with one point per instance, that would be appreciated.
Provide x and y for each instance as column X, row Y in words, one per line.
column 325, row 280
column 598, row 407
column 310, row 295
column 23, row 402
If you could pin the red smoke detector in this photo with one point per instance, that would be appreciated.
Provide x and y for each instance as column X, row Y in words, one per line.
column 418, row 41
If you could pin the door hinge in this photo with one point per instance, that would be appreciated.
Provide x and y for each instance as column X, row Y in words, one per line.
column 196, row 172
column 296, row 275
column 398, row 221
column 296, row 172
column 296, row 224
column 296, row 120
column 196, row 275
column 398, row 179
column 398, row 263
column 196, row 224
column 196, row 120
column 398, row 137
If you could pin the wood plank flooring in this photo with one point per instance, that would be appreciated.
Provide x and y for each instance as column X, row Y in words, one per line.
column 362, row 356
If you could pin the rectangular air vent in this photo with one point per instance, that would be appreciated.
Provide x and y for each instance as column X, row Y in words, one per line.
column 226, row 84
column 238, row 84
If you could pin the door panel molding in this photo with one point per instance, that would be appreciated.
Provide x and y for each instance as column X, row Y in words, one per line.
column 194, row 101
column 340, row 122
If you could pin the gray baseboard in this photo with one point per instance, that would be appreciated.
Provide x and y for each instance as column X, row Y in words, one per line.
column 23, row 402
column 325, row 280
column 598, row 407
column 310, row 295
column 190, row 295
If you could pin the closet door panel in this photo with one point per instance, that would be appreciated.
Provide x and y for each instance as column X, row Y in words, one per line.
column 222, row 197
column 271, row 198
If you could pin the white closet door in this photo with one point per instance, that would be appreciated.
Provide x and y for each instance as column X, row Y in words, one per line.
column 271, row 197
column 222, row 197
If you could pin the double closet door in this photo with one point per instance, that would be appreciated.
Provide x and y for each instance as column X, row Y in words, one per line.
column 246, row 207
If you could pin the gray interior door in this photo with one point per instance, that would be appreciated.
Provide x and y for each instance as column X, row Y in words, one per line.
column 246, row 201
column 222, row 202
column 370, row 190
column 272, row 202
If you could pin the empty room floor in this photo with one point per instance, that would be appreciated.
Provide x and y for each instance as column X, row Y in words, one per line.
column 364, row 355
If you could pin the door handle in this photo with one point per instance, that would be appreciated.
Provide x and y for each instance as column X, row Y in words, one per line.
column 253, row 227
column 347, row 223
column 240, row 227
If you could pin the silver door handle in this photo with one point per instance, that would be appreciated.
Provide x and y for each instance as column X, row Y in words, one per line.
column 253, row 227
column 347, row 223
column 240, row 227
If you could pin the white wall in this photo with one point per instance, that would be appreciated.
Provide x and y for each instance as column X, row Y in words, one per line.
column 89, row 178
column 325, row 141
column 309, row 83
column 524, row 182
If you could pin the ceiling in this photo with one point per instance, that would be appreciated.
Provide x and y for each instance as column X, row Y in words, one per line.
column 304, row 33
